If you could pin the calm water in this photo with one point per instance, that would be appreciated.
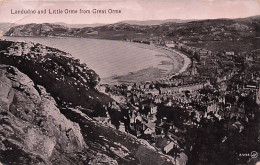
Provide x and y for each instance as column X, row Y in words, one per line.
column 106, row 57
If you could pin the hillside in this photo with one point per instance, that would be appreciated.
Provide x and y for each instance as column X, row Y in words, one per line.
column 79, row 25
column 5, row 27
column 34, row 131
column 43, row 112
column 154, row 22
column 69, row 81
column 194, row 31
column 37, row 30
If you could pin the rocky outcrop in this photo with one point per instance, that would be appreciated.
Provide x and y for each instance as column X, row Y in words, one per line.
column 69, row 82
column 32, row 130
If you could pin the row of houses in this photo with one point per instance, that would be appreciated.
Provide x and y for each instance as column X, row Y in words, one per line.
column 188, row 87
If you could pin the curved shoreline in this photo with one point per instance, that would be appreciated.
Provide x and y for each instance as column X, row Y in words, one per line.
column 179, row 62
column 171, row 63
column 186, row 60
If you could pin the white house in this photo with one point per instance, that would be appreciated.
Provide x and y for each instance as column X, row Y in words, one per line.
column 168, row 147
column 153, row 109
column 150, row 128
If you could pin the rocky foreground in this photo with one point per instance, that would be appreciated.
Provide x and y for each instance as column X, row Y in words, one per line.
column 33, row 131
column 46, row 98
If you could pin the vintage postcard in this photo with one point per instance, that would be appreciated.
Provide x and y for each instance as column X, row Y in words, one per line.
column 130, row 82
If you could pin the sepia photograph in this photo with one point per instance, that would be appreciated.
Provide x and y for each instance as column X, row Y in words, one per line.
column 129, row 82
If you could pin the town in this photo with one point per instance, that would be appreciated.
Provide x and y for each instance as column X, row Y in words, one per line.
column 220, row 88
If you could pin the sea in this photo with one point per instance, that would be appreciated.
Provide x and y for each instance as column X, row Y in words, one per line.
column 107, row 58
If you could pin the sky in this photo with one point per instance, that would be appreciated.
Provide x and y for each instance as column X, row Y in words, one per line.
column 130, row 10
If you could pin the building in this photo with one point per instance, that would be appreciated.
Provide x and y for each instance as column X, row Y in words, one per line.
column 152, row 91
column 153, row 109
column 149, row 128
column 168, row 147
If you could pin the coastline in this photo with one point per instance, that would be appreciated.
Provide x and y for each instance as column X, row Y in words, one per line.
column 171, row 63
column 185, row 60
column 178, row 61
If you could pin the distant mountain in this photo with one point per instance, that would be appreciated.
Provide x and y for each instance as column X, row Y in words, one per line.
column 33, row 29
column 79, row 25
column 192, row 30
column 154, row 22
column 256, row 17
column 130, row 22
column 5, row 27
column 49, row 30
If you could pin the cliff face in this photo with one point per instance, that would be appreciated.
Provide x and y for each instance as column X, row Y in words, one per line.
column 33, row 131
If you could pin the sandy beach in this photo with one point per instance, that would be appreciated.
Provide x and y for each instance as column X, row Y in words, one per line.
column 177, row 61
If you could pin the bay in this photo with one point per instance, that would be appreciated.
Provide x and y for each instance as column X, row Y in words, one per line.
column 108, row 58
